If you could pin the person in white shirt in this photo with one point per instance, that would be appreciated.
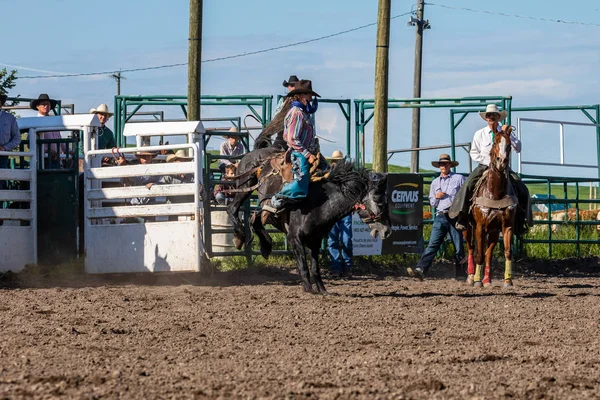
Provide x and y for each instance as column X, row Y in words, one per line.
column 480, row 152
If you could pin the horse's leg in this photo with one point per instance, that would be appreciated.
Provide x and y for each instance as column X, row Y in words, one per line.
column 471, row 265
column 492, row 240
column 298, row 250
column 507, row 234
column 480, row 235
column 233, row 209
column 315, row 271
column 266, row 245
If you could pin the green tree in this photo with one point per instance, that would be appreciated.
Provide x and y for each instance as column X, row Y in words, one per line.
column 8, row 82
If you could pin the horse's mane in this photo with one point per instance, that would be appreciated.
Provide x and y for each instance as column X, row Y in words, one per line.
column 353, row 182
column 274, row 127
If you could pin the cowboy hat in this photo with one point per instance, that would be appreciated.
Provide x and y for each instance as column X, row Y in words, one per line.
column 304, row 86
column 42, row 97
column 3, row 98
column 292, row 80
column 145, row 153
column 102, row 109
column 179, row 155
column 337, row 155
column 492, row 108
column 444, row 158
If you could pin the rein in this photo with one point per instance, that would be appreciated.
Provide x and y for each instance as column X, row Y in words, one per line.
column 361, row 209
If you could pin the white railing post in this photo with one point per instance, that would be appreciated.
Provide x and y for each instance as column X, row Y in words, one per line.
column 562, row 143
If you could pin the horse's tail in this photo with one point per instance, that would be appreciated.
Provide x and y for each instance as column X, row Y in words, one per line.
column 274, row 127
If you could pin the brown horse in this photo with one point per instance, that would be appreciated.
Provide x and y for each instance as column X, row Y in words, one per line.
column 493, row 210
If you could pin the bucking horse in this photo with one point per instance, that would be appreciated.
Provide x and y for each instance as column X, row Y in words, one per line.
column 346, row 189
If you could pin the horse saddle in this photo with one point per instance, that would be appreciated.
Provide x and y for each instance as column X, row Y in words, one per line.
column 281, row 164
column 509, row 200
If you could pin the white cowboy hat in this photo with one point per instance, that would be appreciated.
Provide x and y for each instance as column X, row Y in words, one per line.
column 492, row 108
column 102, row 109
column 179, row 155
column 337, row 155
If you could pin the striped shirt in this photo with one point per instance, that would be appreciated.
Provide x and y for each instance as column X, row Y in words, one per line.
column 298, row 131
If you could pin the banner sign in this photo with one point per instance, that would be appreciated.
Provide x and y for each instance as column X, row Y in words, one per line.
column 363, row 244
column 405, row 199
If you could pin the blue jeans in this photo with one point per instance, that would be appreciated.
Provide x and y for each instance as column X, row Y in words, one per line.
column 442, row 225
column 298, row 188
column 339, row 244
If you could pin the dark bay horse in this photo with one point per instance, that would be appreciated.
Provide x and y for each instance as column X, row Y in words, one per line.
column 307, row 222
column 494, row 210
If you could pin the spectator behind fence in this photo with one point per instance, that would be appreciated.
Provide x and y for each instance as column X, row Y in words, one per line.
column 50, row 152
column 105, row 138
column 221, row 196
column 144, row 157
column 179, row 156
column 10, row 137
column 230, row 147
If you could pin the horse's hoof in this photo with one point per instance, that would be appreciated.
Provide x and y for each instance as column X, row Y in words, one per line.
column 470, row 280
column 508, row 283
column 478, row 284
column 487, row 284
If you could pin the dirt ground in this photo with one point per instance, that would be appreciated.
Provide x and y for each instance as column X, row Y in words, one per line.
column 255, row 334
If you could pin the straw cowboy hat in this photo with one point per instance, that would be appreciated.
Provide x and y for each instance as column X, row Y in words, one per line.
column 179, row 155
column 292, row 80
column 492, row 108
column 102, row 109
column 304, row 86
column 42, row 97
column 337, row 155
column 444, row 158
column 233, row 129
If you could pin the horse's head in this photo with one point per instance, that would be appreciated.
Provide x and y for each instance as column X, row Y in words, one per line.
column 375, row 212
column 500, row 153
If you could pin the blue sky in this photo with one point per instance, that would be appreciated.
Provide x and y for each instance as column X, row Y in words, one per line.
column 465, row 54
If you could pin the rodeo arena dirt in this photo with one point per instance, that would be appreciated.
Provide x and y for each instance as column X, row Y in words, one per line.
column 231, row 257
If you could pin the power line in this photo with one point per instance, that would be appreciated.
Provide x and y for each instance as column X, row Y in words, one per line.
column 560, row 21
column 212, row 59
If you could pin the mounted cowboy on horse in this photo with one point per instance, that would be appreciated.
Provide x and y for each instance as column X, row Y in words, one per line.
column 481, row 146
column 288, row 200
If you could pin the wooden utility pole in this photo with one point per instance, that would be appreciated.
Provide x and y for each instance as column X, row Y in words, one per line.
column 117, row 77
column 194, row 60
column 416, row 117
column 381, row 87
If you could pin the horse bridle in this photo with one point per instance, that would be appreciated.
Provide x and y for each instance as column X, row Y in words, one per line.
column 361, row 209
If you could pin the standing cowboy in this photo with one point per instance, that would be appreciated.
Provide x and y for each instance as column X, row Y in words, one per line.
column 442, row 191
column 482, row 143
column 289, row 85
column 106, row 138
column 299, row 133
column 50, row 152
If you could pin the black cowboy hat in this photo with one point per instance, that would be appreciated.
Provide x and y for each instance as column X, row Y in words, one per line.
column 42, row 97
column 444, row 158
column 3, row 98
column 304, row 86
column 292, row 80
